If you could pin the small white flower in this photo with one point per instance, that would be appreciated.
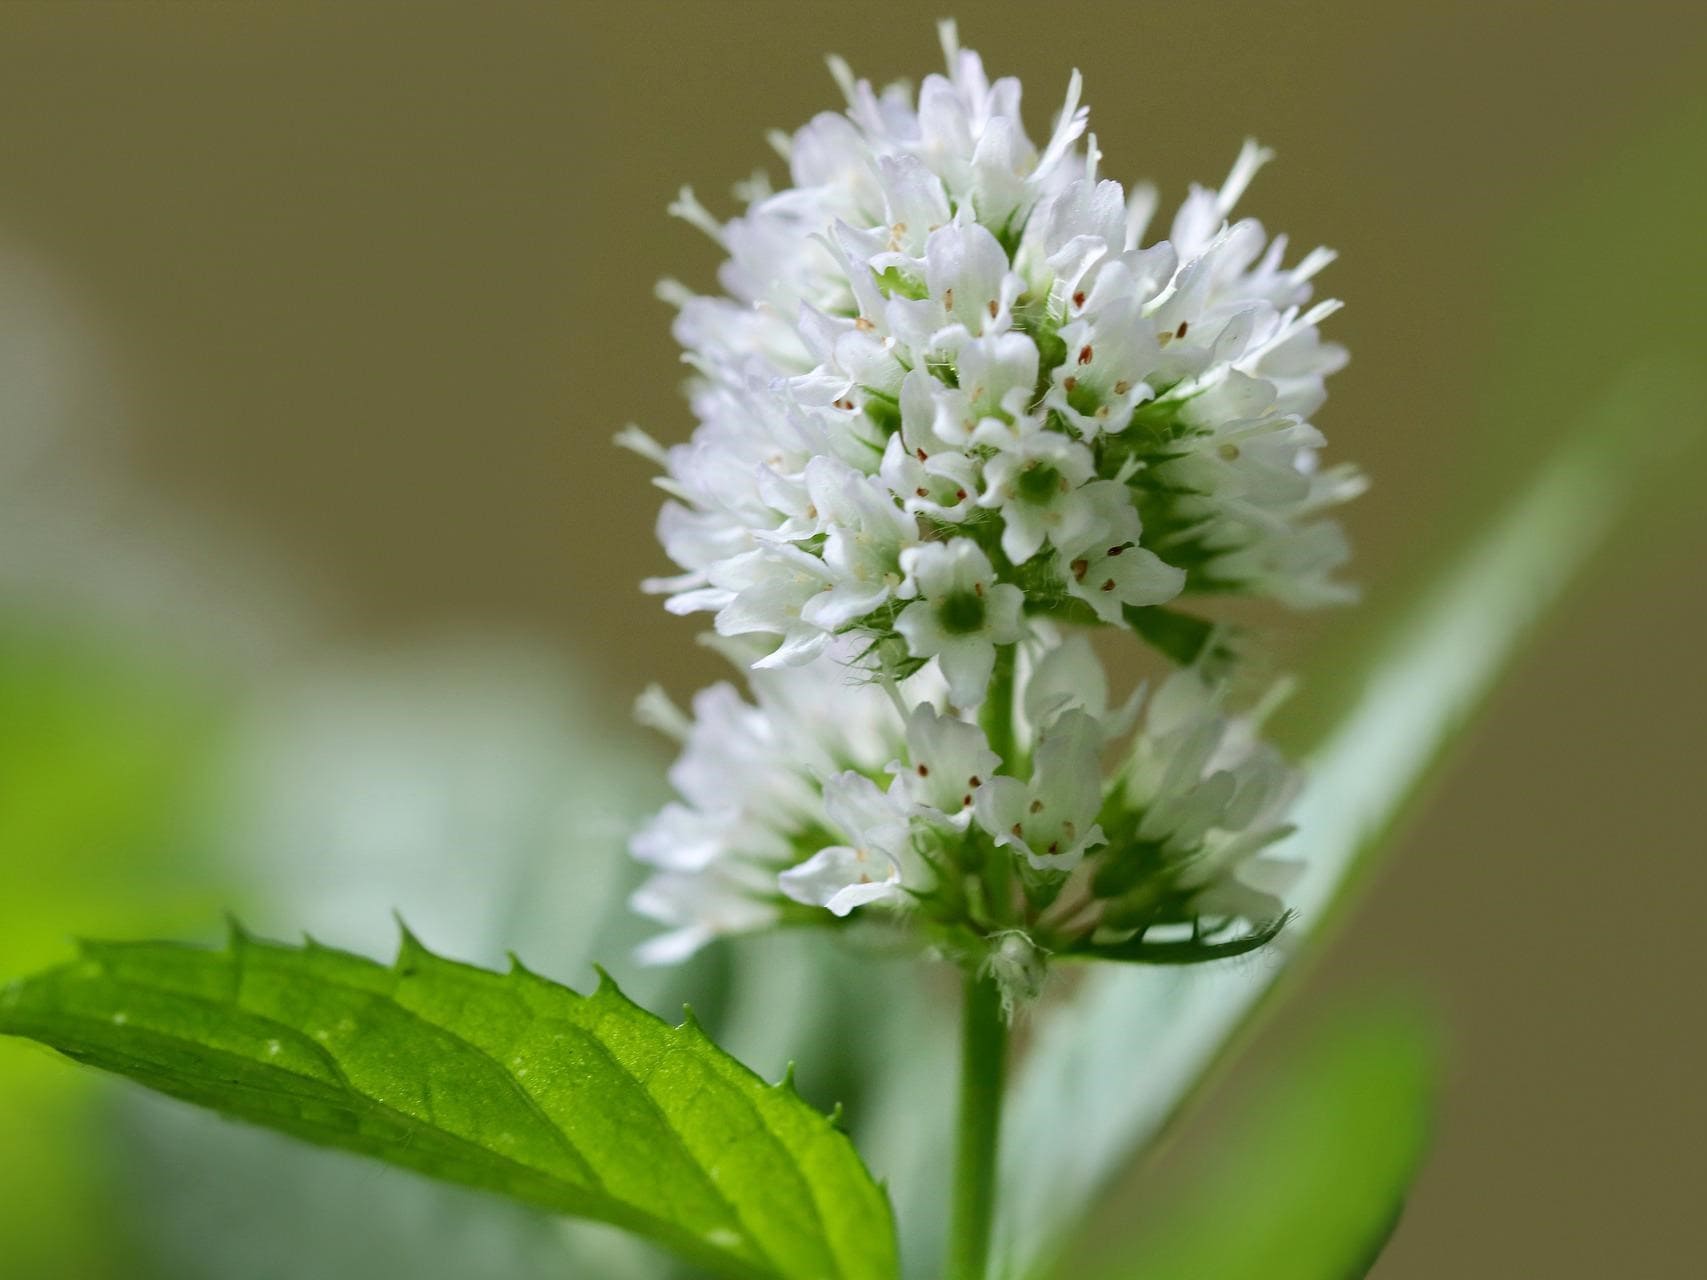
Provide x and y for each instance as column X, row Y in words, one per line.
column 699, row 908
column 767, row 591
column 948, row 760
column 1037, row 484
column 1105, row 566
column 870, row 868
column 1018, row 967
column 1068, row 677
column 1051, row 820
column 1211, row 793
column 989, row 406
column 930, row 480
column 959, row 614
column 865, row 533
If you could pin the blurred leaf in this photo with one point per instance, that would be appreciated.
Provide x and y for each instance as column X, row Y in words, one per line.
column 586, row 1105
column 1308, row 1180
column 1111, row 1065
column 102, row 755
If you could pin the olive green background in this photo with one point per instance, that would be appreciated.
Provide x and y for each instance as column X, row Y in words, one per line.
column 373, row 289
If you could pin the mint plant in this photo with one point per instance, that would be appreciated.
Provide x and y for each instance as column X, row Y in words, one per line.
column 957, row 413
column 954, row 413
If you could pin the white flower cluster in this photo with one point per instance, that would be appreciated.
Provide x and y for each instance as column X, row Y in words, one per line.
column 948, row 385
column 949, row 403
column 832, row 792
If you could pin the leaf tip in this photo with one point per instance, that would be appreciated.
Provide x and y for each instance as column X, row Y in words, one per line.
column 410, row 949
column 690, row 1023
column 92, row 955
column 237, row 934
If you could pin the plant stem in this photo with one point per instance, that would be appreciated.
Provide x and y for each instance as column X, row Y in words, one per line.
column 997, row 717
column 997, row 721
column 983, row 1054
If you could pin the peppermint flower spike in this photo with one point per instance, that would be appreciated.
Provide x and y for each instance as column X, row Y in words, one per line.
column 842, row 877
column 935, row 341
column 959, row 614
column 1052, row 820
column 889, row 275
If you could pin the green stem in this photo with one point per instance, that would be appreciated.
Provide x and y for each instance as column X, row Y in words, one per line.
column 997, row 717
column 983, row 1053
column 997, row 721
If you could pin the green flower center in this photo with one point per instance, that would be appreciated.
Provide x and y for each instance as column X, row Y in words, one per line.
column 1038, row 484
column 961, row 613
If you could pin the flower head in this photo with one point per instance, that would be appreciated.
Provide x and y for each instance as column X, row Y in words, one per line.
column 942, row 330
column 954, row 402
column 827, row 794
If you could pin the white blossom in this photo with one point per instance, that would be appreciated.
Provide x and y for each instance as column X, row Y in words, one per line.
column 870, row 868
column 1105, row 566
column 749, row 782
column 700, row 908
column 1212, row 794
column 954, row 403
column 1039, row 486
column 948, row 761
column 959, row 614
column 1051, row 819
column 940, row 325
column 829, row 791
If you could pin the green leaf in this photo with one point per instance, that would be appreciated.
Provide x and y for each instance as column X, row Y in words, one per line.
column 1114, row 1063
column 522, row 763
column 1185, row 638
column 1308, row 1180
column 587, row 1105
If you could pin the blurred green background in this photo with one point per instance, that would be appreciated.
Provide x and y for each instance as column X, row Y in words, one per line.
column 317, row 569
